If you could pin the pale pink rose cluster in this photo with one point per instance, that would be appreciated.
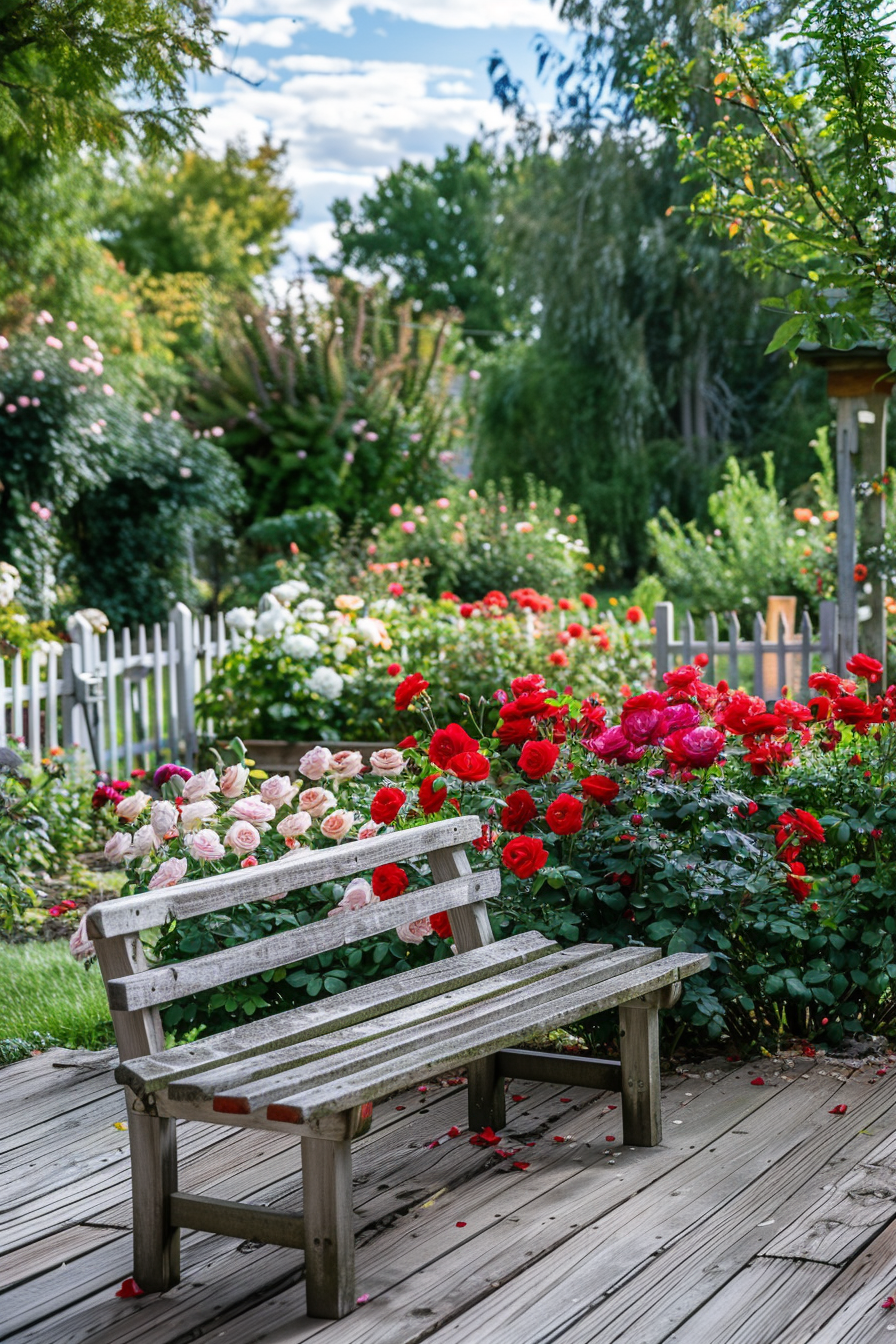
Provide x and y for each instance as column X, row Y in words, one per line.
column 340, row 765
column 254, row 809
column 387, row 763
column 416, row 931
column 242, row 837
column 356, row 896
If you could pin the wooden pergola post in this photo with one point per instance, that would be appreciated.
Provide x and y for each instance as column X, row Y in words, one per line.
column 860, row 382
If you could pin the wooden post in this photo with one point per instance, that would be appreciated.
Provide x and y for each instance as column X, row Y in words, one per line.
column 663, row 616
column 471, row 928
column 778, row 670
column 329, row 1235
column 847, row 447
column 639, row 1052
column 872, row 465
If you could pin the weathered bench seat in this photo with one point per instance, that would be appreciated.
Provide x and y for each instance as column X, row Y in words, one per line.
column 315, row 1071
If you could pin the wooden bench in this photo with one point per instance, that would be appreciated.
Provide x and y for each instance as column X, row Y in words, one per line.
column 315, row 1071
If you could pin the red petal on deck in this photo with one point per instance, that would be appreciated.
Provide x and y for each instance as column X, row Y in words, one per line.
column 521, row 1166
column 130, row 1288
column 838, row 1110
column 757, row 1082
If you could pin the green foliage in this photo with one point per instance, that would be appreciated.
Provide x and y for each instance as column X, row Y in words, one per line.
column 62, row 66
column 469, row 542
column 344, row 406
column 47, row 999
column 430, row 232
column 756, row 548
column 790, row 138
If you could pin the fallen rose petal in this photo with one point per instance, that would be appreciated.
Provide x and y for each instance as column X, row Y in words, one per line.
column 521, row 1166
column 558, row 1138
column 506, row 1152
column 423, row 1089
column 611, row 1108
column 456, row 1080
column 566, row 1098
column 460, row 1224
column 365, row 1297
column 838, row 1110
column 486, row 1138
column 399, row 1108
column 609, row 1138
column 757, row 1082
column 130, row 1288
column 519, row 1096
column 888, row 1303
column 881, row 1072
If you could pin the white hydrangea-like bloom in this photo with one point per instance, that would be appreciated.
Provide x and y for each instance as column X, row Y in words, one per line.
column 326, row 682
column 300, row 646
column 240, row 619
column 311, row 609
column 290, row 591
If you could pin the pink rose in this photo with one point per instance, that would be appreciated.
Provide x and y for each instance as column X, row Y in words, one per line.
column 132, row 805
column 207, row 847
column 295, row 824
column 369, row 830
column 278, row 791
column 168, row 874
column 118, row 847
column 200, row 786
column 315, row 763
column 194, row 815
column 388, row 763
column 253, row 809
column 346, row 764
column 80, row 944
column 337, row 825
column 316, row 802
column 163, row 817
column 234, row 780
column 613, row 745
column 416, row 931
column 357, row 895
column 242, row 837
column 145, row 840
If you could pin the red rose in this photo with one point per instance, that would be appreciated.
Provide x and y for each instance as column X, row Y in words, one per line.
column 389, row 880
column 681, row 678
column 796, row 882
column 558, row 658
column 448, row 742
column 407, row 744
column 587, row 600
column 441, row 925
column 634, row 616
column 827, row 682
column 448, row 597
column 495, row 599
column 803, row 824
column 575, row 629
column 386, row 805
column 869, row 669
column 407, row 690
column 601, row 788
column 524, row 855
column 519, row 809
column 486, row 839
column 396, row 589
column 470, row 766
column 564, row 816
column 538, row 759
column 466, row 610
column 533, row 682
column 511, row 732
column 431, row 800
column 564, row 604
column 393, row 669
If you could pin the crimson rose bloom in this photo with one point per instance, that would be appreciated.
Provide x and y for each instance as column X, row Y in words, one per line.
column 450, row 741
column 534, row 681
column 513, row 731
column 538, row 759
column 826, row 682
column 440, row 925
column 803, row 824
column 389, row 880
column 412, row 686
column 386, row 805
column 601, row 788
column 681, row 678
column 519, row 809
column 797, row 883
column 524, row 855
column 470, row 766
column 695, row 747
column 407, row 743
column 869, row 669
column 431, row 800
column 564, row 816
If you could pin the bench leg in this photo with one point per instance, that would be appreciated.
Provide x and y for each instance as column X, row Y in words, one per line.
column 639, row 1048
column 329, row 1235
column 485, row 1094
column 153, row 1144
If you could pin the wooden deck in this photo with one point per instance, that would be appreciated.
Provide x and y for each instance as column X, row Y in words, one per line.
column 762, row 1218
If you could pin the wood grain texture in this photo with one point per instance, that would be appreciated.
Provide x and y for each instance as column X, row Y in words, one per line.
column 153, row 1145
column 253, row 1039
column 137, row 1032
column 302, row 868
column 378, row 1080
column 639, row 1053
column 329, row 1234
column 177, row 980
column 231, row 1218
column 572, row 1070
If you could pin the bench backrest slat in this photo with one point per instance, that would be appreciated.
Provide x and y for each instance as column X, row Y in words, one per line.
column 303, row 868
column 164, row 984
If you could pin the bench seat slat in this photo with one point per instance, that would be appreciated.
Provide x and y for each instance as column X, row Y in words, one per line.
column 252, row 1071
column 302, row 868
column 177, row 980
column 369, row 1084
column 574, row 971
column 252, row 1039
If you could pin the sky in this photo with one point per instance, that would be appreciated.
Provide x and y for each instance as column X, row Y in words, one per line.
column 355, row 87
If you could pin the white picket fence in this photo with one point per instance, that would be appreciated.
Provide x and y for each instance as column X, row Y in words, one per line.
column 130, row 699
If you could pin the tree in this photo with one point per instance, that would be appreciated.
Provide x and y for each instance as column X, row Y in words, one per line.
column 63, row 67
column 790, row 138
column 430, row 233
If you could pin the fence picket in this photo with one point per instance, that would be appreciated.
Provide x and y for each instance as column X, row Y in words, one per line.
column 805, row 656
column 127, row 704
column 712, row 640
column 173, row 706
column 158, row 690
column 34, row 699
column 687, row 638
column 758, row 649
column 17, row 697
column 52, row 730
column 111, row 704
column 781, row 651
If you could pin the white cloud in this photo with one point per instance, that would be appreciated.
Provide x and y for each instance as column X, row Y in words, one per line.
column 335, row 16
column 246, row 66
column 271, row 33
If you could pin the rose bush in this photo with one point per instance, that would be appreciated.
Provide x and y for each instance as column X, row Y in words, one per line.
column 700, row 821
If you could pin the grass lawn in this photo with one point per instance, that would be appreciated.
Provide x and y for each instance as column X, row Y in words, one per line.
column 47, row 998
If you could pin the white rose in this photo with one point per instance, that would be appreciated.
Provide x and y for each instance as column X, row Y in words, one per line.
column 300, row 646
column 240, row 619
column 145, row 840
column 163, row 817
column 316, row 802
column 317, row 629
column 207, row 847
column 310, row 610
column 315, row 763
column 343, row 648
column 118, row 847
column 295, row 824
column 273, row 620
column 346, row 764
column 290, row 590
column 326, row 683
column 374, row 631
column 194, row 815
column 253, row 809
column 387, row 763
column 416, row 931
column 234, row 780
column 168, row 874
column 200, row 786
column 357, row 895
column 337, row 825
column 132, row 805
